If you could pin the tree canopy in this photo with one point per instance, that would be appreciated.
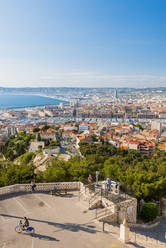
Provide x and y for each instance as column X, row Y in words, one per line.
column 145, row 176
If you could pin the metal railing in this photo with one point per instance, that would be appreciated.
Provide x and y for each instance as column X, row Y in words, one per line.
column 95, row 197
column 102, row 213
column 104, row 193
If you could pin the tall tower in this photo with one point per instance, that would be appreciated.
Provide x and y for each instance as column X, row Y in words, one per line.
column 115, row 94
column 74, row 114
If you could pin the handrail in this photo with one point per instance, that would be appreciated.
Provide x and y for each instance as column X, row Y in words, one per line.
column 91, row 187
column 103, row 213
column 93, row 198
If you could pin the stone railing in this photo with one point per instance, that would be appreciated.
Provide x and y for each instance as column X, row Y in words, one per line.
column 39, row 187
column 95, row 197
column 85, row 192
column 146, row 226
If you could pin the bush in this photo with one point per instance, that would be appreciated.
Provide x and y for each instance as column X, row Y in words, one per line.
column 36, row 130
column 26, row 158
column 149, row 211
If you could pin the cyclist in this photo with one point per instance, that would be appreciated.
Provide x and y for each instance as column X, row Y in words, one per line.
column 25, row 223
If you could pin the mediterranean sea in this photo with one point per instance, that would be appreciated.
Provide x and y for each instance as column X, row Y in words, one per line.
column 20, row 101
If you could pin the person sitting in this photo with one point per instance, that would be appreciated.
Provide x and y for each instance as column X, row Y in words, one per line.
column 25, row 223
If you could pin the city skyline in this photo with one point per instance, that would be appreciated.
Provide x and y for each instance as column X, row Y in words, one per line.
column 82, row 43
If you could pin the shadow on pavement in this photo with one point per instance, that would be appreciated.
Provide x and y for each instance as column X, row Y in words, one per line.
column 75, row 227
column 68, row 195
column 136, row 245
column 44, row 237
column 68, row 226
column 9, row 196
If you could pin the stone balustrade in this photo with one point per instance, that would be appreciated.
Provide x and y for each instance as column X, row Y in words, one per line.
column 146, row 226
column 39, row 187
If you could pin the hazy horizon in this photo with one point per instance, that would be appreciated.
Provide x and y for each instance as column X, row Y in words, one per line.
column 86, row 87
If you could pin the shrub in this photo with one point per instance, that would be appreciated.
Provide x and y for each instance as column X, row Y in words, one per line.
column 36, row 130
column 26, row 158
column 149, row 211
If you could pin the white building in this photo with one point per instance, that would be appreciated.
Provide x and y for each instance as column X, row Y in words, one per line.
column 48, row 136
column 34, row 146
column 67, row 135
column 83, row 127
column 156, row 125
column 68, row 128
column 52, row 151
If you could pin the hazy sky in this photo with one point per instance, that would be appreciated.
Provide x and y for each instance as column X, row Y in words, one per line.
column 91, row 43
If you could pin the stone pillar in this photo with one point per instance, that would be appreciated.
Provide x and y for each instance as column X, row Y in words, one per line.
column 118, row 189
column 163, row 207
column 124, row 232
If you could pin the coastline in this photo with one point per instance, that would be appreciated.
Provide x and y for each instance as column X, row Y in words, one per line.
column 37, row 104
column 42, row 95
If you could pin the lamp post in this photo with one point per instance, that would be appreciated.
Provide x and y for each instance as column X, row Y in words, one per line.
column 97, row 177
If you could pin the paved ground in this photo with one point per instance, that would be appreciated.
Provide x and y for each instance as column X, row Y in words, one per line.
column 60, row 222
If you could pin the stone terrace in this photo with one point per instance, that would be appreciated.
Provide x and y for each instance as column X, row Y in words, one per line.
column 59, row 221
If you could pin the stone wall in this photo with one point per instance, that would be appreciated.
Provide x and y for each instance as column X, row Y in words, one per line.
column 126, row 208
column 146, row 226
column 129, row 209
column 85, row 193
column 39, row 187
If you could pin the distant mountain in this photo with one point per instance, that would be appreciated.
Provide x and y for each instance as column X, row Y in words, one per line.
column 67, row 90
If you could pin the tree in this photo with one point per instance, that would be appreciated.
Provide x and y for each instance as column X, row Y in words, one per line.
column 10, row 155
column 27, row 157
column 36, row 130
column 20, row 149
column 139, row 126
column 13, row 174
column 54, row 174
column 40, row 148
column 38, row 137
column 45, row 128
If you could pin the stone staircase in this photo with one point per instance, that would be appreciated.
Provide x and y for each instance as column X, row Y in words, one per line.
column 95, row 200
column 113, row 205
column 105, row 209
column 105, row 215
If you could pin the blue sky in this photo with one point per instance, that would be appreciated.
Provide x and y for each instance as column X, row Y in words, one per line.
column 83, row 43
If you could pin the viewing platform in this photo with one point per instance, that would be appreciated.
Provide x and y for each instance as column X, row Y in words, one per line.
column 77, row 216
column 59, row 221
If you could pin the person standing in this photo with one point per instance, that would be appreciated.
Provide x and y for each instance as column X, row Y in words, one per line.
column 90, row 178
column 108, row 181
column 33, row 185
